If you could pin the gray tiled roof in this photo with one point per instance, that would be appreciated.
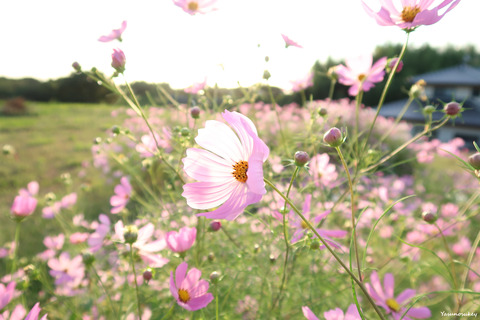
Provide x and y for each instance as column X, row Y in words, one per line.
column 458, row 75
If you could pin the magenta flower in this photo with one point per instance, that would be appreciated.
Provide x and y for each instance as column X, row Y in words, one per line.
column 115, row 34
column 118, row 60
column 189, row 291
column 95, row 240
column 337, row 314
column 303, row 83
column 359, row 73
column 182, row 240
column 66, row 271
column 123, row 191
column 6, row 293
column 32, row 189
column 196, row 6
column 69, row 200
column 308, row 313
column 413, row 14
column 23, row 206
column 222, row 168
column 196, row 87
column 395, row 305
column 289, row 42
column 35, row 312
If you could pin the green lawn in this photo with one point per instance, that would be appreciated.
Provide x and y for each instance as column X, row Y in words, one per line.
column 55, row 139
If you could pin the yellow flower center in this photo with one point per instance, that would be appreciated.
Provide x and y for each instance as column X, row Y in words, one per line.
column 409, row 13
column 240, row 171
column 183, row 295
column 361, row 77
column 393, row 305
column 304, row 225
column 193, row 6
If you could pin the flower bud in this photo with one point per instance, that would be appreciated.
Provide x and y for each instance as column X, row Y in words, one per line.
column 185, row 132
column 256, row 248
column 147, row 275
column 88, row 258
column 332, row 73
column 50, row 197
column 392, row 63
column 418, row 90
column 211, row 256
column 333, row 137
column 130, row 234
column 301, row 158
column 474, row 161
column 272, row 259
column 429, row 109
column 267, row 58
column 215, row 225
column 118, row 60
column 452, row 108
column 315, row 244
column 322, row 112
column 429, row 217
column 97, row 140
column 215, row 277
column 266, row 75
column 195, row 112
column 116, row 130
column 76, row 66
column 29, row 269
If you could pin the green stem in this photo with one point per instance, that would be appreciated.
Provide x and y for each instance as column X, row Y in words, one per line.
column 231, row 238
column 216, row 302
column 104, row 290
column 15, row 249
column 397, row 120
column 385, row 89
column 332, row 89
column 471, row 254
column 169, row 312
column 287, row 244
column 358, row 103
column 327, row 246
column 352, row 200
column 136, row 283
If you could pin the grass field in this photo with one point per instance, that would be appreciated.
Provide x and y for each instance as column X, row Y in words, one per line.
column 55, row 138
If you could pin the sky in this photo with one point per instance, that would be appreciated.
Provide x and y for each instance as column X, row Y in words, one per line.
column 162, row 43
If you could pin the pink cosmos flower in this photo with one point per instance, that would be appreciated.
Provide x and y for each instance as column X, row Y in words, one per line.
column 337, row 314
column 308, row 313
column 51, row 211
column 182, row 240
column 69, row 200
column 222, row 168
column 78, row 237
column 289, row 42
column 395, row 305
column 18, row 313
column 118, row 60
column 196, row 6
column 322, row 171
column 413, row 13
column 189, row 291
column 359, row 73
column 123, row 191
column 115, row 34
column 196, row 87
column 23, row 206
column 95, row 240
column 6, row 293
column 35, row 312
column 147, row 250
column 32, row 189
column 66, row 271
column 303, row 83
column 302, row 228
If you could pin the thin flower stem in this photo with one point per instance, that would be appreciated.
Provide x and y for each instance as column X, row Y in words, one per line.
column 327, row 246
column 454, row 271
column 169, row 312
column 352, row 200
column 471, row 254
column 15, row 249
column 104, row 290
column 231, row 239
column 216, row 302
column 358, row 103
column 403, row 146
column 136, row 283
column 287, row 244
column 385, row 89
column 397, row 120
column 332, row 89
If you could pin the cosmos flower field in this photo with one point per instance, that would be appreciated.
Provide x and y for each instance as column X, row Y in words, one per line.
column 250, row 210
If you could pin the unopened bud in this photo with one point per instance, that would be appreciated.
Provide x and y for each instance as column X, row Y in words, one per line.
column 418, row 89
column 429, row 109
column 130, row 234
column 147, row 275
column 322, row 112
column 211, row 256
column 256, row 248
column 272, row 259
column 315, row 244
column 301, row 158
column 195, row 112
column 116, row 130
column 88, row 258
column 29, row 269
column 429, row 217
column 97, row 140
column 332, row 73
column 215, row 225
column 266, row 75
column 267, row 58
column 215, row 277
column 333, row 137
column 185, row 132
column 452, row 108
column 50, row 197
column 118, row 60
column 76, row 66
column 474, row 161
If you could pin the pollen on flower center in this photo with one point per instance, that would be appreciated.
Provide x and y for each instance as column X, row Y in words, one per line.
column 193, row 6
column 183, row 295
column 240, row 171
column 361, row 77
column 393, row 305
column 409, row 13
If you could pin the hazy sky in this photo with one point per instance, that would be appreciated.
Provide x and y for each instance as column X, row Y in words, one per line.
column 162, row 43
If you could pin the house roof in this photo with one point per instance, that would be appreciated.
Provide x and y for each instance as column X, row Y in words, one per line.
column 458, row 75
column 470, row 116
